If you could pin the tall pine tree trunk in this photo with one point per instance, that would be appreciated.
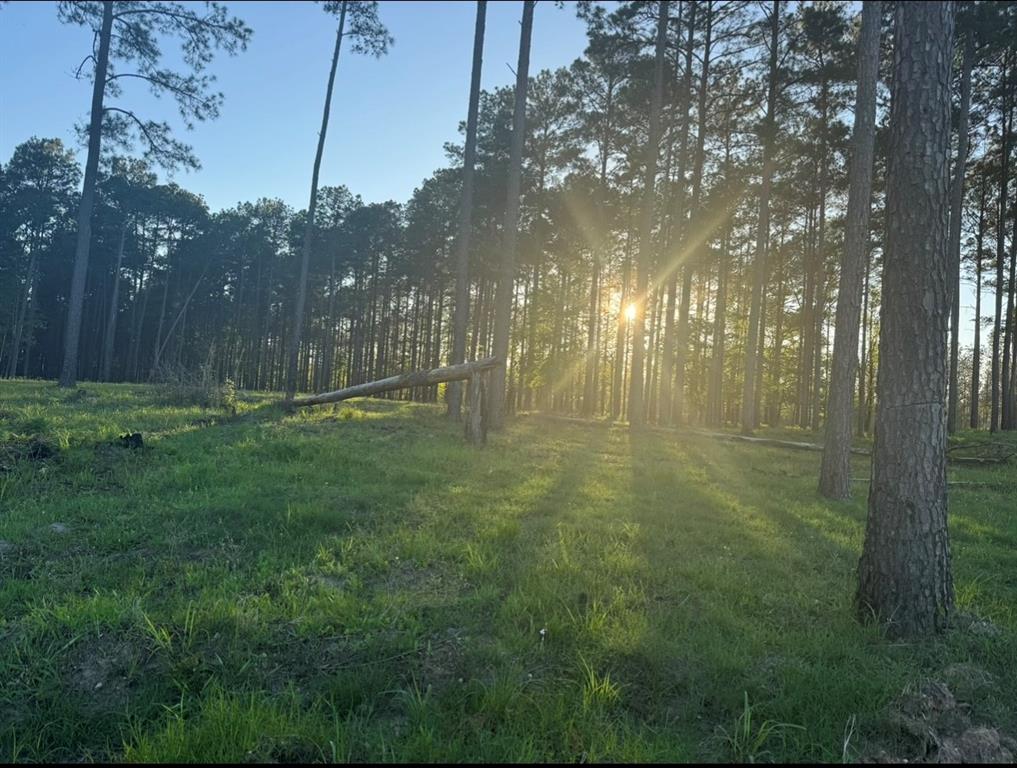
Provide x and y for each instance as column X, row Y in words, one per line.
column 462, row 301
column 305, row 257
column 976, row 354
column 997, row 328
column 111, row 321
column 76, row 299
column 835, row 474
column 503, row 292
column 762, row 234
column 956, row 212
column 904, row 574
column 637, row 413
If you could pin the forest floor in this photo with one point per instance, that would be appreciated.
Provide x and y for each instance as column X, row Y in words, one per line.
column 357, row 583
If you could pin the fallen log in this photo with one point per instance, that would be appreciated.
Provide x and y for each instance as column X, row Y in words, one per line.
column 458, row 372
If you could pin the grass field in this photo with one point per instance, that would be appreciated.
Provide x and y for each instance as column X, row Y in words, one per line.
column 357, row 583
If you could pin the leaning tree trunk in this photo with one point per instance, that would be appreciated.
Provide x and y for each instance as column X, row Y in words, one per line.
column 956, row 211
column 637, row 413
column 904, row 576
column 305, row 259
column 762, row 234
column 76, row 299
column 504, row 289
column 835, row 474
column 454, row 391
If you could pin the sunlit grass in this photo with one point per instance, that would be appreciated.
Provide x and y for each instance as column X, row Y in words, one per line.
column 357, row 583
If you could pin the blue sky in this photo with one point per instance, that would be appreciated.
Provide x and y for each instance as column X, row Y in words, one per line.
column 390, row 116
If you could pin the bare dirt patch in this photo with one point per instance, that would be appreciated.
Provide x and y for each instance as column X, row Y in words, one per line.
column 105, row 668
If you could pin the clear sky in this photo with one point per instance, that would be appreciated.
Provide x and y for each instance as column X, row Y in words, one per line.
column 390, row 116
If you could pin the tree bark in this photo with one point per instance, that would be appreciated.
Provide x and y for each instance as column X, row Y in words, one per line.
column 76, row 299
column 976, row 355
column 835, row 474
column 637, row 415
column 305, row 257
column 956, row 212
column 997, row 328
column 904, row 573
column 416, row 379
column 762, row 234
column 111, row 321
column 454, row 391
column 503, row 291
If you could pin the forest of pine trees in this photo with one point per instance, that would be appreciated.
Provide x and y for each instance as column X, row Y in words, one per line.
column 683, row 206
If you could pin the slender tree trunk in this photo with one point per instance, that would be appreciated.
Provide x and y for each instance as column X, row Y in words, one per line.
column 904, row 574
column 76, row 299
column 835, row 474
column 305, row 256
column 503, row 291
column 672, row 263
column 997, row 329
column 637, row 415
column 956, row 212
column 697, row 236
column 462, row 303
column 762, row 233
column 111, row 322
column 976, row 355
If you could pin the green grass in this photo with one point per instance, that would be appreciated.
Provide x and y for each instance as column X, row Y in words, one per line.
column 360, row 584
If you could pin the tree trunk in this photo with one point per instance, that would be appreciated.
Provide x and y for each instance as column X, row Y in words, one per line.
column 956, row 212
column 762, row 233
column 76, row 299
column 637, row 414
column 698, row 234
column 503, row 291
column 976, row 355
column 835, row 474
column 454, row 391
column 904, row 576
column 997, row 329
column 111, row 322
column 305, row 257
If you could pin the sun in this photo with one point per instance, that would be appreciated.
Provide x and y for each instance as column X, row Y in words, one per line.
column 630, row 312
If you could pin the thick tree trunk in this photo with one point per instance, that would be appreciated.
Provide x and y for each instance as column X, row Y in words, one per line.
column 956, row 212
column 904, row 574
column 462, row 301
column 637, row 414
column 76, row 299
column 507, row 272
column 305, row 256
column 762, row 233
column 835, row 474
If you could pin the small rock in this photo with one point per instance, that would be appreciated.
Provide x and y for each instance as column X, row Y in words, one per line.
column 59, row 528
